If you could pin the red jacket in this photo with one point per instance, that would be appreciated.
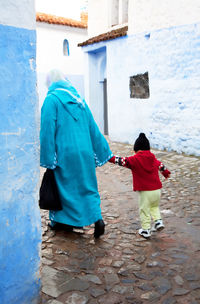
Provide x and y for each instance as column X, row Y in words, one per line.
column 144, row 167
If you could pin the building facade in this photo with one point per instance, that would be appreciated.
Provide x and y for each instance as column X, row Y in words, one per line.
column 57, row 39
column 143, row 71
column 20, row 222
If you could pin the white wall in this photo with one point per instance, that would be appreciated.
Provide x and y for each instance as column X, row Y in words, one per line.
column 98, row 17
column 154, row 14
column 50, row 53
column 50, row 48
column 143, row 15
column 103, row 14
column 171, row 116
column 18, row 13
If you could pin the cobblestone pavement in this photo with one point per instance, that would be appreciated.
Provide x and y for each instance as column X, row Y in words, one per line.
column 121, row 266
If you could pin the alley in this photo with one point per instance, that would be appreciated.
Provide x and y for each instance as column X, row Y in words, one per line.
column 122, row 267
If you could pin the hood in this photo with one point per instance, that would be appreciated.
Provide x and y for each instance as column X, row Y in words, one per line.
column 146, row 160
column 59, row 87
column 68, row 96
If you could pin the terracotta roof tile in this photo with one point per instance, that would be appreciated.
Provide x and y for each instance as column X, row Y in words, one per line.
column 52, row 19
column 106, row 36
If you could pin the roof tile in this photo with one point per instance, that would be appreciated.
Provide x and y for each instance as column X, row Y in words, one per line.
column 52, row 19
column 106, row 36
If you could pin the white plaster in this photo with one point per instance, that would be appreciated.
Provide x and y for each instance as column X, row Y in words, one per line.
column 115, row 6
column 155, row 14
column 106, row 15
column 98, row 16
column 18, row 133
column 143, row 15
column 18, row 13
column 50, row 48
column 31, row 62
column 170, row 117
column 86, row 77
column 49, row 53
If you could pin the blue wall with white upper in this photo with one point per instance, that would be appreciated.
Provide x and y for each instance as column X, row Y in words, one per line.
column 20, row 236
column 171, row 116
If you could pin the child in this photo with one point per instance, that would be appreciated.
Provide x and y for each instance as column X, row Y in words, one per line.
column 146, row 181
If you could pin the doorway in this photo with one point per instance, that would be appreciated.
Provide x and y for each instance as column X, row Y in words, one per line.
column 105, row 107
column 97, row 89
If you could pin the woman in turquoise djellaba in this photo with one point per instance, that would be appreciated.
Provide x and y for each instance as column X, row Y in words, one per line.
column 72, row 145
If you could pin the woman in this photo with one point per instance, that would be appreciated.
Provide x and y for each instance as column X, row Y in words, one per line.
column 72, row 145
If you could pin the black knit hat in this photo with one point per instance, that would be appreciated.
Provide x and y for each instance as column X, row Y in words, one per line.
column 141, row 143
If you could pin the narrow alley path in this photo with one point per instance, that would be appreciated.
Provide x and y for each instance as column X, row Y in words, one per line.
column 122, row 267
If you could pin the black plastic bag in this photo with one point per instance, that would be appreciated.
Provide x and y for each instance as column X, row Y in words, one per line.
column 49, row 198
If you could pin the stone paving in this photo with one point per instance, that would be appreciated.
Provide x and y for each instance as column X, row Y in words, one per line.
column 121, row 266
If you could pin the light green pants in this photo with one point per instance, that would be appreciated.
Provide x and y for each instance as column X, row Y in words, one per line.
column 149, row 207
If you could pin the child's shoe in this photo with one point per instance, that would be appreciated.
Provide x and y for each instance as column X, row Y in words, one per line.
column 158, row 226
column 145, row 233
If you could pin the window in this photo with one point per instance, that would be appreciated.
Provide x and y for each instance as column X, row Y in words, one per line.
column 139, row 86
column 66, row 47
column 119, row 12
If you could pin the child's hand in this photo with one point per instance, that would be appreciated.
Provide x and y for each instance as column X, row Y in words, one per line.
column 166, row 173
column 118, row 160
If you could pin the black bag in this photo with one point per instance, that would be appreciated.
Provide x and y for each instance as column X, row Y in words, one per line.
column 49, row 198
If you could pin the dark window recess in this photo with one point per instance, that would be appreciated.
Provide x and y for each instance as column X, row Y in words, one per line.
column 139, row 86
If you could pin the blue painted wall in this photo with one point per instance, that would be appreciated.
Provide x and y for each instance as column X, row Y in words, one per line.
column 20, row 233
column 171, row 116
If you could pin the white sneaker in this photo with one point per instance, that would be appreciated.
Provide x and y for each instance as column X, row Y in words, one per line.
column 158, row 226
column 145, row 233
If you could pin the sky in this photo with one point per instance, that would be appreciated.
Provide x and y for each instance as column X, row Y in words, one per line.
column 63, row 8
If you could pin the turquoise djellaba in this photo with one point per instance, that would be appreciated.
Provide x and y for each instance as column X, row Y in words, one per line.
column 72, row 144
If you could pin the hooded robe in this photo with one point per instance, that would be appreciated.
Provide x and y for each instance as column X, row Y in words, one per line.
column 72, row 144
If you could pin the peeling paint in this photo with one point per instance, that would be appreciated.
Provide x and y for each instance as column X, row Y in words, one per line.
column 18, row 133
column 32, row 64
column 20, row 221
